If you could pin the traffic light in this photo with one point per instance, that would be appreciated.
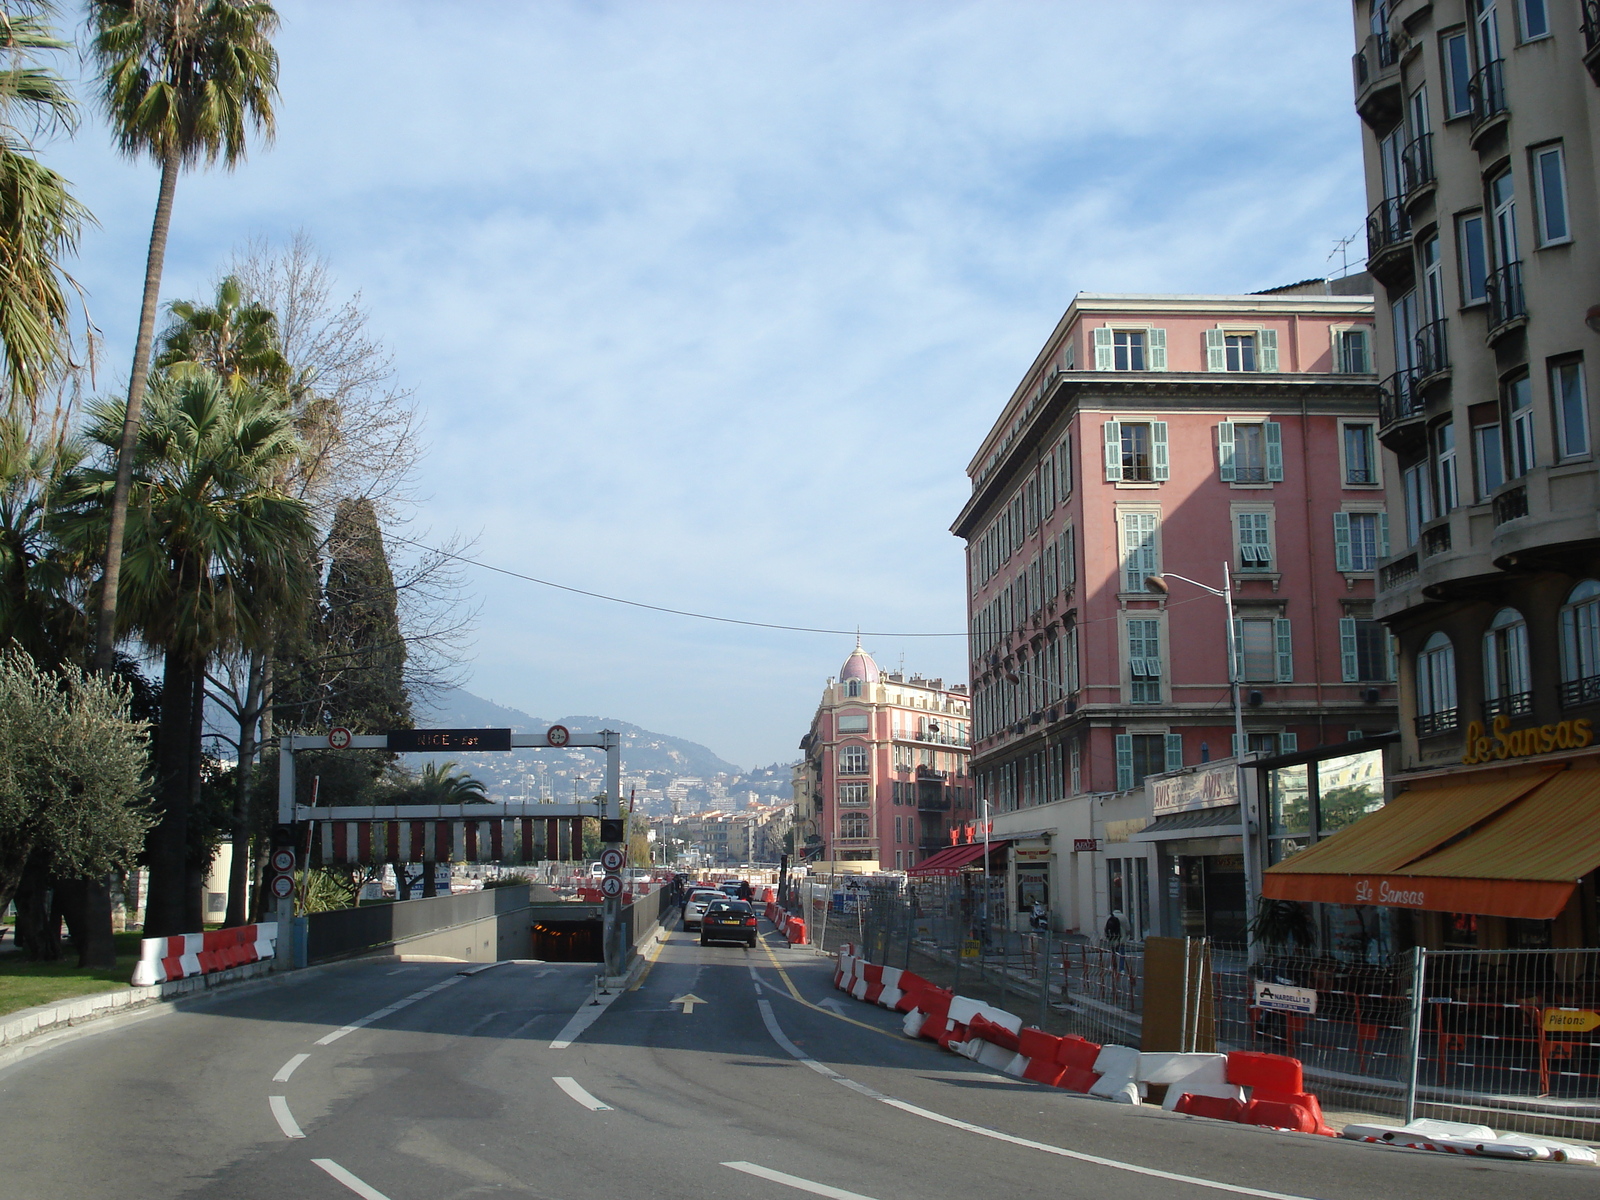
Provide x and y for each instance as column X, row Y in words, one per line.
column 611, row 829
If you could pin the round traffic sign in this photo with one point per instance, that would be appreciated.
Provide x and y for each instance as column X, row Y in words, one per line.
column 611, row 885
column 339, row 738
column 283, row 886
column 558, row 735
column 611, row 859
column 283, row 860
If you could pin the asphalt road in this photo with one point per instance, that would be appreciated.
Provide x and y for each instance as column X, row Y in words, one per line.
column 457, row 1086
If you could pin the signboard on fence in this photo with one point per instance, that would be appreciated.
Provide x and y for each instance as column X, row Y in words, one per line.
column 1280, row 997
column 1570, row 1020
column 970, row 948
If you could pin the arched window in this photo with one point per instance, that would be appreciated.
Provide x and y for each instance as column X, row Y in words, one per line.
column 852, row 687
column 1506, row 689
column 853, row 760
column 1436, row 686
column 853, row 825
column 1580, row 645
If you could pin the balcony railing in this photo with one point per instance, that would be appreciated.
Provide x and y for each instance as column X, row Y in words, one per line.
column 1517, row 704
column 1388, row 226
column 1398, row 398
column 1511, row 504
column 1433, row 349
column 1488, row 91
column 1436, row 540
column 1506, row 301
column 1416, row 165
column 1580, row 691
column 1443, row 721
column 1400, row 571
column 1591, row 38
column 933, row 803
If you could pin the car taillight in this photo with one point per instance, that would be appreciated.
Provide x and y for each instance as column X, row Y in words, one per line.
column 749, row 920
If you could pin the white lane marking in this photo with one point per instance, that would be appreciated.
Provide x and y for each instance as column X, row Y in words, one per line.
column 328, row 1039
column 286, row 1122
column 794, row 1181
column 361, row 1188
column 288, row 1068
column 573, row 1088
column 581, row 1020
column 402, row 970
column 795, row 1052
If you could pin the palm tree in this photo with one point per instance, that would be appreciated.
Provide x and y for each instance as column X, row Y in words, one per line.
column 40, row 219
column 181, row 80
column 212, row 544
column 234, row 339
column 39, row 582
column 447, row 783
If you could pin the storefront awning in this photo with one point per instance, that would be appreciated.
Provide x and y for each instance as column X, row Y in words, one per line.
column 1496, row 847
column 1196, row 823
column 951, row 860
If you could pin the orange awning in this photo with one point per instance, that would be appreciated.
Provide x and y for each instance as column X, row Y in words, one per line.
column 1497, row 847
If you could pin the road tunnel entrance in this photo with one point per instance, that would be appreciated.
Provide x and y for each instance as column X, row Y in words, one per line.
column 569, row 941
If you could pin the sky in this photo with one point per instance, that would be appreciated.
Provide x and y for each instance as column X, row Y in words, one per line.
column 708, row 305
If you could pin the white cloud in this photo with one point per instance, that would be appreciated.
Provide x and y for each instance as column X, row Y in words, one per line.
column 709, row 304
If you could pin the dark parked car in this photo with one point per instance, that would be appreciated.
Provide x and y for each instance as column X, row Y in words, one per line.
column 728, row 921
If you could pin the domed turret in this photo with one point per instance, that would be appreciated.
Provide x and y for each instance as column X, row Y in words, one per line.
column 859, row 666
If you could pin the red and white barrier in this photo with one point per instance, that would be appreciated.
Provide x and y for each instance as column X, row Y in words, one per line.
column 186, row 954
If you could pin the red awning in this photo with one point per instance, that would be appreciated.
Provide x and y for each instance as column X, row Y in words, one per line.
column 953, row 859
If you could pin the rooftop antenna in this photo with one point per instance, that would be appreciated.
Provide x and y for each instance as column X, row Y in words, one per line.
column 1341, row 247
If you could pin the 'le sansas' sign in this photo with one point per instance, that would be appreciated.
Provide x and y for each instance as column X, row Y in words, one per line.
column 1215, row 787
column 1502, row 741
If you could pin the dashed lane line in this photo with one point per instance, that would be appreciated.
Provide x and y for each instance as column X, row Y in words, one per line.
column 573, row 1088
column 359, row 1186
column 288, row 1068
column 794, row 1181
column 285, row 1118
column 329, row 1038
column 828, row 1072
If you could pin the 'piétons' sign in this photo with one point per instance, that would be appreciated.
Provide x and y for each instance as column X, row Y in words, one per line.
column 1501, row 741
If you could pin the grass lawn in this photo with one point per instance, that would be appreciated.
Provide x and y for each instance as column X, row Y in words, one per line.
column 24, row 984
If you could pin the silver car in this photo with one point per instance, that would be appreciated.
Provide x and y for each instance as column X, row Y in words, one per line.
column 699, row 900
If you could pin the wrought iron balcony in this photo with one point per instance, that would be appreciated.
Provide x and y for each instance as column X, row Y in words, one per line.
column 1506, row 300
column 1591, row 38
column 1444, row 721
column 1377, row 77
column 1416, row 165
column 1511, row 504
column 1389, row 240
column 1488, row 92
column 1400, row 571
column 1398, row 398
column 1433, row 349
column 1580, row 691
column 1517, row 704
column 1436, row 540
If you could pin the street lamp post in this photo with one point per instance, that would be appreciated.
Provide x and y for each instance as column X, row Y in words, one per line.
column 1235, row 685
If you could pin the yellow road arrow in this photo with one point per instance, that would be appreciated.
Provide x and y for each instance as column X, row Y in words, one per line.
column 688, row 1002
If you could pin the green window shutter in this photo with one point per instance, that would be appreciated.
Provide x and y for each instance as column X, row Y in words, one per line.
column 1392, row 644
column 1156, row 340
column 1102, row 349
column 1113, row 435
column 1124, row 761
column 1064, row 457
column 1237, row 748
column 1069, row 555
column 1341, row 543
column 1349, row 668
column 1158, row 446
column 1268, row 358
column 1280, row 629
column 1216, row 350
column 1288, row 743
column 1274, row 452
column 1174, row 752
column 1225, row 451
column 1383, row 537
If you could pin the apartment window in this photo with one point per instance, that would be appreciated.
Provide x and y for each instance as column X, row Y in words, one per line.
column 1352, row 351
column 1505, row 664
column 852, row 687
column 1136, row 451
column 1580, row 644
column 902, row 758
column 1364, row 651
column 1127, row 350
column 1436, row 678
column 1144, row 660
column 854, row 825
column 1503, row 197
column 1571, row 408
column 1489, row 461
column 1250, row 452
column 1360, row 540
column 1063, row 461
column 1075, row 766
column 1242, row 350
column 1473, row 259
column 1265, row 650
column 854, row 795
column 1550, row 194
column 1069, row 659
column 1519, row 422
column 1457, row 58
column 1130, row 349
column 1418, row 499
column 899, row 830
column 1444, row 466
column 1533, row 19
column 1254, row 533
column 1141, row 556
column 853, row 722
column 853, row 760
column 1138, row 755
column 1360, row 453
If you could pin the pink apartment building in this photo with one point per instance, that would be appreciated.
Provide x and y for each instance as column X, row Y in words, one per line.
column 1170, row 435
column 884, row 779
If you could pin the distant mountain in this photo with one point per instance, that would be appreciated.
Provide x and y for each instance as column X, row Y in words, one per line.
column 643, row 751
